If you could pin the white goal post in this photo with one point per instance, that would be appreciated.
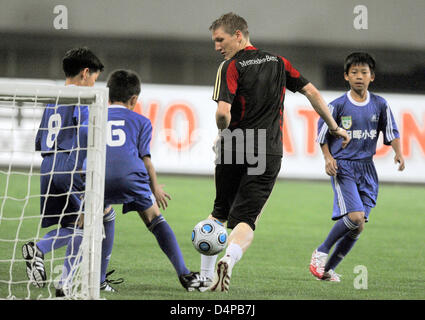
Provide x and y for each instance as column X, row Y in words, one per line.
column 21, row 108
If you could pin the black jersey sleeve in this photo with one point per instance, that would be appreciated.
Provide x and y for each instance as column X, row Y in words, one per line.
column 226, row 82
column 294, row 80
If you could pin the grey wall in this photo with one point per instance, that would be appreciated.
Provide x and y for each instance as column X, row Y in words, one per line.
column 169, row 41
column 391, row 23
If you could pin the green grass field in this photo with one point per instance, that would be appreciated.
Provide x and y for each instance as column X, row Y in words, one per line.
column 294, row 222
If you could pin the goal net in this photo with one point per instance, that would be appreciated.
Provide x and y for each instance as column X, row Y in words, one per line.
column 21, row 209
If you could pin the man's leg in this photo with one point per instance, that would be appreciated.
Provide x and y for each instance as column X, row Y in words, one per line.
column 246, row 209
column 239, row 241
column 227, row 180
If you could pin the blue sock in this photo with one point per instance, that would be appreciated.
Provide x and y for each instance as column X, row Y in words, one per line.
column 168, row 243
column 107, row 243
column 341, row 227
column 342, row 248
column 55, row 239
column 70, row 257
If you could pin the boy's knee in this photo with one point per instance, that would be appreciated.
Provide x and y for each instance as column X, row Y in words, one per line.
column 149, row 214
column 357, row 217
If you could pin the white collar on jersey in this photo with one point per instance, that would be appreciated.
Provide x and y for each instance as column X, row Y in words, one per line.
column 117, row 106
column 356, row 103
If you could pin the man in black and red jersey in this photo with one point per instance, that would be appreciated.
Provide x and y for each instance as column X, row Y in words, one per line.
column 249, row 90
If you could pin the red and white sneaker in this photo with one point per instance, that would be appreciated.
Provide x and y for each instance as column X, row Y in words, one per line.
column 331, row 275
column 317, row 263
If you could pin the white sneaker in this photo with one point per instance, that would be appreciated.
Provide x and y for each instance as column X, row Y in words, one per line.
column 317, row 263
column 331, row 275
column 221, row 280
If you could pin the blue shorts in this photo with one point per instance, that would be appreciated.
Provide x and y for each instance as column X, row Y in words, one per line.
column 133, row 191
column 355, row 187
column 61, row 193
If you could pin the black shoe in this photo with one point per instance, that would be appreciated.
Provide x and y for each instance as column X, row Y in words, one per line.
column 193, row 281
column 36, row 271
column 106, row 285
column 60, row 293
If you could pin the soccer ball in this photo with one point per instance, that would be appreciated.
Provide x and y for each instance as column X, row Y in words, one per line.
column 209, row 237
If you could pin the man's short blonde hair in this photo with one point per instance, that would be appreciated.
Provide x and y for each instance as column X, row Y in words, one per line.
column 231, row 22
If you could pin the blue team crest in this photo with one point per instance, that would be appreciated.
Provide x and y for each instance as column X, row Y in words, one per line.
column 346, row 122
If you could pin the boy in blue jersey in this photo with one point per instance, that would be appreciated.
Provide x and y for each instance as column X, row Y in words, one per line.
column 61, row 138
column 130, row 176
column 353, row 175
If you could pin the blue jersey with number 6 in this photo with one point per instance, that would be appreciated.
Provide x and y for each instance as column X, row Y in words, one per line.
column 128, row 141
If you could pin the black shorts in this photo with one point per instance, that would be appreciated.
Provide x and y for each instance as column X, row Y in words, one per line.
column 240, row 197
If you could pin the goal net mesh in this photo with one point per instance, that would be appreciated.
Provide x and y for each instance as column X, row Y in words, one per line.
column 21, row 211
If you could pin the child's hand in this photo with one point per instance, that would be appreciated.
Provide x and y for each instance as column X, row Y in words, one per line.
column 331, row 166
column 161, row 197
column 398, row 158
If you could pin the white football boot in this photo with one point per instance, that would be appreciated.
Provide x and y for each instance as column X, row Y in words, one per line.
column 221, row 280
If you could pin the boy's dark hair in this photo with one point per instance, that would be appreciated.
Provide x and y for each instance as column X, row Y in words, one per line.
column 358, row 58
column 78, row 59
column 123, row 84
column 231, row 22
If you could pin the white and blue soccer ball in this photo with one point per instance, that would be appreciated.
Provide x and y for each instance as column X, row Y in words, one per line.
column 209, row 237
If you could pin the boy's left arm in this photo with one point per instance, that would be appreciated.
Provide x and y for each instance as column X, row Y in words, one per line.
column 160, row 195
column 398, row 157
column 389, row 129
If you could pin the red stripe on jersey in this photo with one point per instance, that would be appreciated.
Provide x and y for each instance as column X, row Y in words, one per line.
column 232, row 77
column 243, row 107
column 282, row 94
column 243, row 103
column 294, row 73
column 250, row 48
column 280, row 119
column 281, row 110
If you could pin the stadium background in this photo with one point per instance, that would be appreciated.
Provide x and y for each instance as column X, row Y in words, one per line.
column 169, row 45
column 168, row 42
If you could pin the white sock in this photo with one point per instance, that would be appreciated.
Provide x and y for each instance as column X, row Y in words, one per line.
column 208, row 265
column 235, row 252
